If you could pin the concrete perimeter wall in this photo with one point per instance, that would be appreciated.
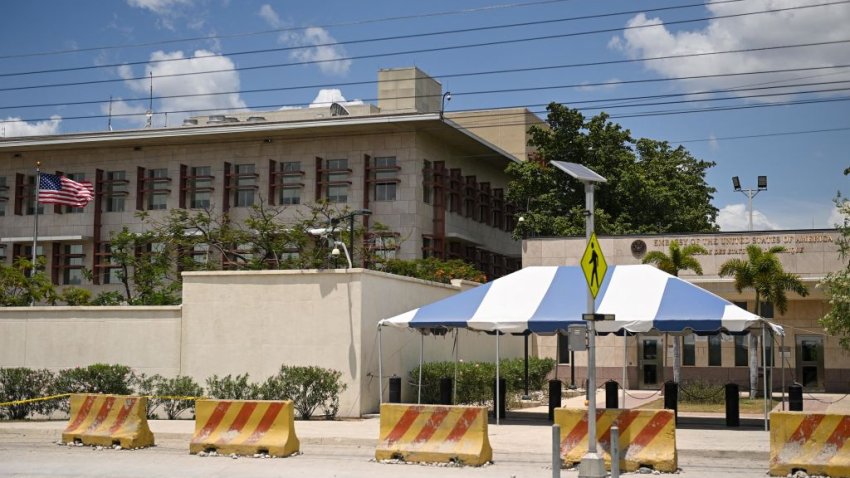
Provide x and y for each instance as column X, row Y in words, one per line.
column 237, row 322
column 145, row 338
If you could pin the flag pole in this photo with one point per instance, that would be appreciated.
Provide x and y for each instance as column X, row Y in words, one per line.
column 35, row 226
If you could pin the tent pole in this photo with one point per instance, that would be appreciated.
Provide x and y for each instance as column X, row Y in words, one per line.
column 421, row 355
column 625, row 361
column 767, row 393
column 782, row 355
column 497, row 377
column 380, row 366
column 454, row 386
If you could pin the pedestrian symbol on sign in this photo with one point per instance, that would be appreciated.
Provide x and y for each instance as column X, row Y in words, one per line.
column 593, row 265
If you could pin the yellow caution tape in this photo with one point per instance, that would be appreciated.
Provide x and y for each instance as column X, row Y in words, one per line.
column 52, row 397
column 31, row 400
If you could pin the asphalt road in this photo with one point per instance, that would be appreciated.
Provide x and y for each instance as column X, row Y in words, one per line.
column 31, row 455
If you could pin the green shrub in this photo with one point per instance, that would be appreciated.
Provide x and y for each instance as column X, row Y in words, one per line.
column 308, row 387
column 147, row 386
column 180, row 386
column 75, row 296
column 108, row 298
column 22, row 384
column 96, row 378
column 475, row 380
column 232, row 388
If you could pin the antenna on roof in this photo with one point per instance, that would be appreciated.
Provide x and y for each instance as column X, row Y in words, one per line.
column 109, row 122
column 149, row 112
column 338, row 110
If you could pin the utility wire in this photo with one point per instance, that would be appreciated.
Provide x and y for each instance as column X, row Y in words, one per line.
column 574, row 65
column 288, row 29
column 443, row 77
column 587, row 108
column 762, row 135
column 438, row 49
column 393, row 38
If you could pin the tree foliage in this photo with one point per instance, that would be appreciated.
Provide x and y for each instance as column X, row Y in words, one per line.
column 678, row 259
column 836, row 285
column 651, row 187
column 19, row 286
column 763, row 272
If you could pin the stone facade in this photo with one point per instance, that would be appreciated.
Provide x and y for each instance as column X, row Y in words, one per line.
column 403, row 161
column 810, row 356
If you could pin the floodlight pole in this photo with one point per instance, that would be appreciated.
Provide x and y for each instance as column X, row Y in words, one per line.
column 750, row 193
column 592, row 464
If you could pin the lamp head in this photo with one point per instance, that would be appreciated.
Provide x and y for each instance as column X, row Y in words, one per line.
column 335, row 251
column 736, row 183
column 521, row 219
column 762, row 183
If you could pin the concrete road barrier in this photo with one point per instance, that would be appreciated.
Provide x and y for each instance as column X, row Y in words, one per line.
column 434, row 434
column 818, row 443
column 108, row 420
column 647, row 437
column 245, row 427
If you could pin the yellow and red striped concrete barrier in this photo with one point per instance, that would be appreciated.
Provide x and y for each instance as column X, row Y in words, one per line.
column 647, row 437
column 434, row 434
column 818, row 443
column 107, row 420
column 245, row 427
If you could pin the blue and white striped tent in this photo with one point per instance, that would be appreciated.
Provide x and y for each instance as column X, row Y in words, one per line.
column 544, row 300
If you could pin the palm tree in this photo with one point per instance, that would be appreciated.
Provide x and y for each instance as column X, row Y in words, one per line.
column 762, row 272
column 679, row 259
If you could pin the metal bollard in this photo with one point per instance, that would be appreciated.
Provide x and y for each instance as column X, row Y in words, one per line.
column 795, row 397
column 611, row 399
column 446, row 391
column 671, row 398
column 615, row 452
column 556, row 451
column 733, row 417
column 554, row 397
column 395, row 390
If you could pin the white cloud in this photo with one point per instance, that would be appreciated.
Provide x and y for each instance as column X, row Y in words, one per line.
column 713, row 143
column 168, row 11
column 611, row 84
column 270, row 16
column 810, row 25
column 315, row 44
column 836, row 217
column 327, row 96
column 735, row 217
column 226, row 79
column 13, row 126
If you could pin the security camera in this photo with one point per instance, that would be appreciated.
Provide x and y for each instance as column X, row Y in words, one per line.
column 335, row 252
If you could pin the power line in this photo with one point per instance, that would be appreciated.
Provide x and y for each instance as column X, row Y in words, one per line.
column 449, row 48
column 460, row 93
column 394, row 37
column 762, row 135
column 574, row 65
column 638, row 114
column 288, row 29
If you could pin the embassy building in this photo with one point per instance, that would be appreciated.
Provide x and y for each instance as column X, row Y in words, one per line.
column 436, row 181
column 810, row 356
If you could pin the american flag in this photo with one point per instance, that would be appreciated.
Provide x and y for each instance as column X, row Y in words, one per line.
column 53, row 189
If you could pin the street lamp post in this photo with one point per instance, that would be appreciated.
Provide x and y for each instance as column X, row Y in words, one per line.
column 350, row 217
column 750, row 193
column 447, row 96
column 592, row 464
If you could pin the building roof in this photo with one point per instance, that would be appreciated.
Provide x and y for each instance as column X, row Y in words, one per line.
column 448, row 131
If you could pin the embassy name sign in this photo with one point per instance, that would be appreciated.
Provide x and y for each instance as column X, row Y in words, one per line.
column 737, row 244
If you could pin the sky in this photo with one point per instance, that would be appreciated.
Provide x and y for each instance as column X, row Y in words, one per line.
column 759, row 87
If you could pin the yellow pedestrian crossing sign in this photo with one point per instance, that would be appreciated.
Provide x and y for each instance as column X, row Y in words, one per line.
column 593, row 265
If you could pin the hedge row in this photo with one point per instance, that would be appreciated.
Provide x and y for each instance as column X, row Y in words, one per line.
column 475, row 380
column 310, row 388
